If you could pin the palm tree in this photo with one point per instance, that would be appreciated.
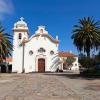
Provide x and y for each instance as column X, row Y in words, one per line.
column 86, row 35
column 5, row 44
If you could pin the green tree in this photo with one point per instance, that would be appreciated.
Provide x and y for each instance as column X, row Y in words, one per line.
column 70, row 60
column 5, row 44
column 87, row 62
column 97, row 58
column 86, row 35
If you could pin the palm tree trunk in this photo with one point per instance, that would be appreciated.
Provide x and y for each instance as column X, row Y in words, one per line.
column 88, row 54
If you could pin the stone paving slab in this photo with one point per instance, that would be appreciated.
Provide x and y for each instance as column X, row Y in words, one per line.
column 47, row 86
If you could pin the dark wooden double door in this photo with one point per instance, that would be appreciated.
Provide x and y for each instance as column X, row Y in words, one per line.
column 41, row 65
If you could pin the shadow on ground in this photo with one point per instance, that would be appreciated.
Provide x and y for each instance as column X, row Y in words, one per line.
column 73, row 75
column 94, row 87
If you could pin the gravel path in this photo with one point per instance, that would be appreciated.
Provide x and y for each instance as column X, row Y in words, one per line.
column 47, row 86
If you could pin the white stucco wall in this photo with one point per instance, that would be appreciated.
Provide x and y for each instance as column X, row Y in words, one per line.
column 17, row 54
column 41, row 39
column 22, row 58
column 17, row 58
column 31, row 61
column 75, row 65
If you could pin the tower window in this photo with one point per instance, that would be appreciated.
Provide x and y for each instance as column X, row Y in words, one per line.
column 41, row 30
column 20, row 35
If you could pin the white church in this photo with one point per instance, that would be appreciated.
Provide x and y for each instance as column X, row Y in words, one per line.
column 38, row 53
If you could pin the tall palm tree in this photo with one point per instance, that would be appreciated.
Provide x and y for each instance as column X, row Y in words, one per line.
column 86, row 35
column 5, row 44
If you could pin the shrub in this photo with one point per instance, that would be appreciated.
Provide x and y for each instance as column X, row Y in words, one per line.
column 87, row 62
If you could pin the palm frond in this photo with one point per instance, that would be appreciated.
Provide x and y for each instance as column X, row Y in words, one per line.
column 86, row 35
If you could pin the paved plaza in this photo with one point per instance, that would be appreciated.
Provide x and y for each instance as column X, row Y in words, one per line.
column 48, row 86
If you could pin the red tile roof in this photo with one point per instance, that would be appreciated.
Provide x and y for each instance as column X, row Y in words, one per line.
column 67, row 54
column 8, row 59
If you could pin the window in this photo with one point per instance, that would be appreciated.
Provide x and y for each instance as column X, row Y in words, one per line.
column 75, row 64
column 41, row 50
column 20, row 35
column 30, row 52
column 51, row 52
column 41, row 30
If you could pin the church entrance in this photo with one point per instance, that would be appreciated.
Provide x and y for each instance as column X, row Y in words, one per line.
column 41, row 65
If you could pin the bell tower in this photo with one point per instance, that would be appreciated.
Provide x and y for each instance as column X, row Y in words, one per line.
column 20, row 31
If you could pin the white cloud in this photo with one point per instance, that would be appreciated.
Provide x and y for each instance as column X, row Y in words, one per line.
column 6, row 7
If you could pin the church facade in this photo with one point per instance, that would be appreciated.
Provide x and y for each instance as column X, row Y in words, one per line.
column 38, row 53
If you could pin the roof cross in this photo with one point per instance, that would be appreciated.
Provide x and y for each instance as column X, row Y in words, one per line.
column 21, row 18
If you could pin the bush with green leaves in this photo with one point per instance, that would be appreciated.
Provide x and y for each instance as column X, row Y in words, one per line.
column 87, row 62
column 97, row 58
column 70, row 60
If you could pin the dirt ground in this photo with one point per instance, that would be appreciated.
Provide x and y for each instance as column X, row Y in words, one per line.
column 48, row 86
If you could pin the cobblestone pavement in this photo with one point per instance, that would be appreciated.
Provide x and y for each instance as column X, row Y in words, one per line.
column 48, row 86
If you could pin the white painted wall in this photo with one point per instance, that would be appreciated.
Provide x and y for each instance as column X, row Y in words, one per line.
column 41, row 39
column 19, row 27
column 35, row 44
column 30, row 63
column 75, row 65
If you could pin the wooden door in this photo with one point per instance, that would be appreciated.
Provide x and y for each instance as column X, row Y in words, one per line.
column 41, row 65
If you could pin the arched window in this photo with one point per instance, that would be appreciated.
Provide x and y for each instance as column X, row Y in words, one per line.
column 51, row 52
column 20, row 36
column 41, row 50
column 30, row 52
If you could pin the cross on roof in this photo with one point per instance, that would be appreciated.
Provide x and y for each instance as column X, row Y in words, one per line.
column 21, row 18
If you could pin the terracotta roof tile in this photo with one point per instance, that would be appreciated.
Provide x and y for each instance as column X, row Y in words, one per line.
column 8, row 59
column 67, row 54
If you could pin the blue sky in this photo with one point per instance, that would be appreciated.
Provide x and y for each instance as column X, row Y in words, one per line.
column 58, row 16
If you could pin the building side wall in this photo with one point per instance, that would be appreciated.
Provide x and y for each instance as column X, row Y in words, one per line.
column 75, row 65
